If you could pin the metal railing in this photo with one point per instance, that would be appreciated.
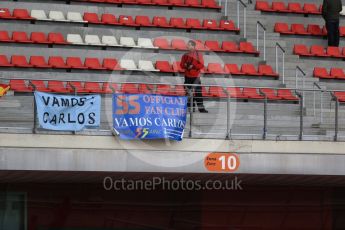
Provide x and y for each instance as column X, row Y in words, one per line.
column 259, row 25
column 229, row 100
column 240, row 2
column 297, row 71
column 315, row 85
column 279, row 47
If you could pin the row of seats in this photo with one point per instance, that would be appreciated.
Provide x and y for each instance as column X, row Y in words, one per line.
column 334, row 73
column 319, row 51
column 291, row 7
column 179, row 3
column 106, row 40
column 299, row 29
column 123, row 20
column 178, row 90
column 58, row 62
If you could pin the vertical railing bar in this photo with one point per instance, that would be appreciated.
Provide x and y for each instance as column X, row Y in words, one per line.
column 336, row 120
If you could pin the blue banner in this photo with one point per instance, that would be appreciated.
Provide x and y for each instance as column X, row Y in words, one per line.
column 148, row 116
column 67, row 113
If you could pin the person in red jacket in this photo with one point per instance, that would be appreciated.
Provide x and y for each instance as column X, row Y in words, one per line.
column 192, row 62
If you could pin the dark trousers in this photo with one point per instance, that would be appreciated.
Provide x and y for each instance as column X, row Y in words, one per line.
column 332, row 27
column 197, row 97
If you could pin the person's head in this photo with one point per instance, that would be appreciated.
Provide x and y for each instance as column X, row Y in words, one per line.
column 191, row 45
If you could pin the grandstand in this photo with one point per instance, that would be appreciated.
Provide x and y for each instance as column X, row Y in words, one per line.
column 271, row 85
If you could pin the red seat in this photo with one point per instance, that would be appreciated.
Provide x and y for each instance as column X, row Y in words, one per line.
column 5, row 13
column 130, row 88
column 267, row 70
column 91, row 18
column 301, row 49
column 4, row 37
column 200, row 46
column 193, row 23
column 280, row 7
column 215, row 68
column 228, row 25
column 282, row 27
column 164, row 66
column 75, row 63
column 126, row 20
column 232, row 69
column 93, row 87
column 111, row 64
column 162, row 43
column 314, row 30
column 178, row 44
column 340, row 96
column 249, row 69
column 193, row 3
column 144, row 2
column 145, row 89
column 177, row 67
column 177, row 2
column 252, row 93
column 334, row 52
column 229, row 46
column 39, row 86
column 337, row 73
column 39, row 37
column 109, row 87
column 299, row 29
column 4, row 61
column 19, row 86
column 39, row 62
column 217, row 91
column 295, row 7
column 213, row 45
column 76, row 87
column 19, row 61
column 179, row 90
column 56, row 38
column 143, row 20
column 21, row 14
column 317, row 50
column 109, row 19
column 211, row 24
column 178, row 23
column 341, row 31
column 263, row 6
column 57, row 62
column 235, row 92
column 210, row 4
column 161, row 2
column 164, row 90
column 93, row 63
column 160, row 22
column 321, row 72
column 19, row 36
column 286, row 94
column 57, row 87
column 247, row 47
column 310, row 8
column 270, row 94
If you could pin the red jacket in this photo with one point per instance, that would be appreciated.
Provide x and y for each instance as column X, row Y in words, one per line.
column 194, row 59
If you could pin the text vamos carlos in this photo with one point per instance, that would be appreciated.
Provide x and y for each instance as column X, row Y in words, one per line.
column 65, row 112
column 68, row 117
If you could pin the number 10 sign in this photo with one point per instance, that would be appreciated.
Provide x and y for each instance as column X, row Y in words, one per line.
column 222, row 162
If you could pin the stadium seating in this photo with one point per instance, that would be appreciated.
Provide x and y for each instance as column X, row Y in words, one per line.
column 318, row 51
column 300, row 29
column 291, row 7
column 334, row 73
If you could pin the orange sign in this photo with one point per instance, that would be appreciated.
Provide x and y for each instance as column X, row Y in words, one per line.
column 222, row 162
